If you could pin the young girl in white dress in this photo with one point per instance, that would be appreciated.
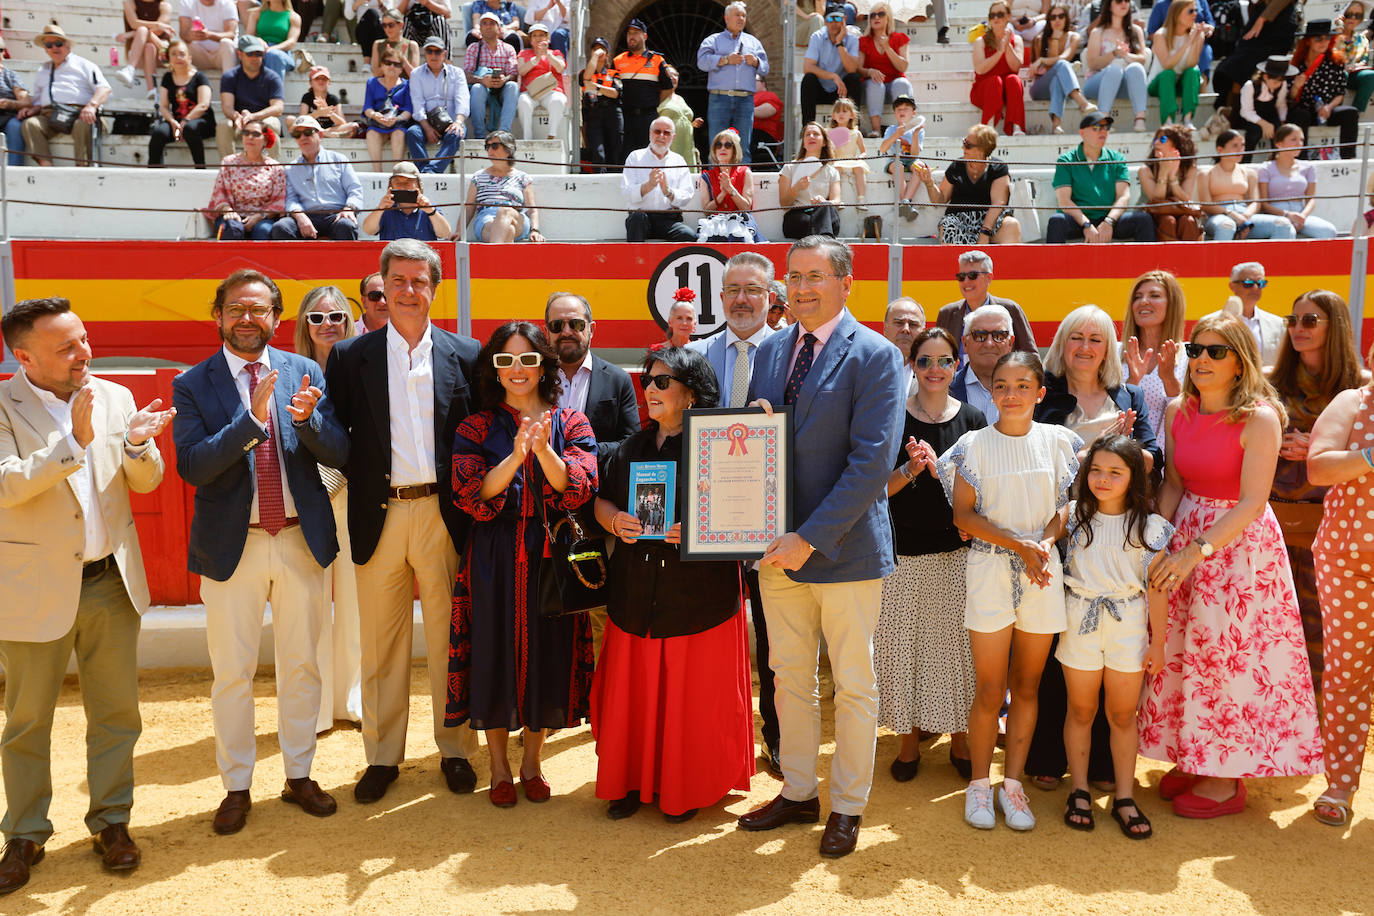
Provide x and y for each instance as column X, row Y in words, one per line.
column 1115, row 632
column 844, row 116
column 1009, row 487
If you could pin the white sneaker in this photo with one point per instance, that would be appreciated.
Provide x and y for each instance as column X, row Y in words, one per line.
column 152, row 95
column 978, row 810
column 1015, row 808
column 126, row 75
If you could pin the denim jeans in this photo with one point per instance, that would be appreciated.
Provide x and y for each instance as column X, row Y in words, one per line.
column 1055, row 84
column 1221, row 228
column 735, row 111
column 1107, row 85
column 14, row 139
column 876, row 93
column 503, row 99
column 448, row 148
column 231, row 230
column 279, row 62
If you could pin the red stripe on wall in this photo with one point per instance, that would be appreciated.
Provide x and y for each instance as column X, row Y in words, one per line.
column 152, row 260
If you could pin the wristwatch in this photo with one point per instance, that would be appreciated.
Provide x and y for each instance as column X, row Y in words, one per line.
column 1085, row 225
column 1203, row 547
column 906, row 472
column 1109, row 220
column 986, row 231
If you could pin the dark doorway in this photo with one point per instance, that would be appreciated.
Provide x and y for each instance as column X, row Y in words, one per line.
column 676, row 30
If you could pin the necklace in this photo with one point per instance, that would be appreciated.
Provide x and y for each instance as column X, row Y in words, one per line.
column 929, row 418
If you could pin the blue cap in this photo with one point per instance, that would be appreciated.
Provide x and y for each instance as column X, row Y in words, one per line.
column 638, row 24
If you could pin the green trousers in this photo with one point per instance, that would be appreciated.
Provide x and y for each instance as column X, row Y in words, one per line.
column 1165, row 86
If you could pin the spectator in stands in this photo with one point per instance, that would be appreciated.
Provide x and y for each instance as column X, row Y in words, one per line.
column 68, row 93
column 507, row 14
column 1168, row 183
column 733, row 60
column 977, row 190
column 323, row 195
column 831, row 66
column 14, row 98
column 779, row 315
column 883, row 53
column 602, row 120
column 250, row 190
column 147, row 29
column 333, row 12
column 369, row 30
column 810, row 188
column 491, row 74
column 392, row 39
column 997, row 88
column 553, row 13
column 248, row 93
column 1204, row 15
column 1288, row 188
column 1247, row 288
column 372, row 289
column 973, row 273
column 656, row 184
column 811, row 16
column 1093, row 189
column 904, row 139
column 276, row 23
column 675, row 108
column 1269, row 29
column 439, row 109
column 1353, row 45
column 1115, row 56
column 184, row 106
column 644, row 84
column 1177, row 48
column 767, row 126
column 986, row 337
column 1317, row 94
column 427, row 19
column 728, row 189
column 1052, row 56
column 323, row 106
column 1229, row 195
column 212, row 41
column 1264, row 101
column 542, row 84
column 386, row 109
column 501, row 197
column 404, row 211
column 682, row 320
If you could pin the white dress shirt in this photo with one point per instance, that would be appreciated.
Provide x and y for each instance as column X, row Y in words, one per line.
column 238, row 368
column 574, row 394
column 73, row 83
column 682, row 181
column 410, row 396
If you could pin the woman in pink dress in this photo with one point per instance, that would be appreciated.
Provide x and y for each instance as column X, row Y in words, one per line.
column 1235, row 697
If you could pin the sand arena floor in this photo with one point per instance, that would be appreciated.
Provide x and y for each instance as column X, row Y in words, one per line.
column 424, row 850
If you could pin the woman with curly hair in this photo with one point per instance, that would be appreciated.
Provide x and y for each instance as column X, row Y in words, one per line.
column 1168, row 182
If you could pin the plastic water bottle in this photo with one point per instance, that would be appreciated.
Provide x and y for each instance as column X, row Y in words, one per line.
column 114, row 57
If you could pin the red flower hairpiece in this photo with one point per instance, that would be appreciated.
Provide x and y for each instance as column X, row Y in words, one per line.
column 684, row 295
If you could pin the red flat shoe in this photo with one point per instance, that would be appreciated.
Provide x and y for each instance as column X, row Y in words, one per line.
column 536, row 788
column 502, row 795
column 1195, row 806
column 1175, row 783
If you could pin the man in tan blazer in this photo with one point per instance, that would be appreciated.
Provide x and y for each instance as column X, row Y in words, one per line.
column 71, row 577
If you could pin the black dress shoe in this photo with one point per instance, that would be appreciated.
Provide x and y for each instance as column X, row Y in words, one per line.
column 841, row 835
column 20, row 856
column 622, row 808
column 374, row 784
column 781, row 811
column 458, row 774
column 681, row 818
column 905, row 770
column 774, row 759
column 963, row 766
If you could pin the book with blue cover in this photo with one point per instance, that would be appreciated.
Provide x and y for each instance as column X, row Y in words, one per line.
column 652, row 496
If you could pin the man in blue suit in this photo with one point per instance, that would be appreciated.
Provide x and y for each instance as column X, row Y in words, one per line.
column 253, row 425
column 847, row 388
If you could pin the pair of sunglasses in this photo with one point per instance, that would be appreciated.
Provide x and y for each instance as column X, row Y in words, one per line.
column 508, row 360
column 963, row 275
column 944, row 362
column 375, row 295
column 660, row 382
column 1308, row 321
column 576, row 325
column 1213, row 351
column 1251, row 284
column 318, row 318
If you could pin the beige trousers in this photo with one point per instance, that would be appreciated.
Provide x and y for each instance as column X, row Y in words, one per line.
column 37, row 133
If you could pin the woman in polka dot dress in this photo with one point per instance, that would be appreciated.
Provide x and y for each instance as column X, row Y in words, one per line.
column 1340, row 457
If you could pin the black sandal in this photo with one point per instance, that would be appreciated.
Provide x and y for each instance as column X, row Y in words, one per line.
column 1072, row 810
column 1128, row 825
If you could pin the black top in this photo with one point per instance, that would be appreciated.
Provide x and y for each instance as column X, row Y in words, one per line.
column 653, row 592
column 966, row 194
column 181, row 99
column 922, row 520
column 308, row 100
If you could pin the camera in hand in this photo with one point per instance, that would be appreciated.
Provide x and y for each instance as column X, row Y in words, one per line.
column 405, row 196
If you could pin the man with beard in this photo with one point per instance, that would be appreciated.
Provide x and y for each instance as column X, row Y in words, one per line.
column 644, row 83
column 657, row 184
column 253, row 426
column 601, row 391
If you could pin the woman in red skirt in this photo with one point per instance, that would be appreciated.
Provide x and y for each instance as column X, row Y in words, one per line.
column 672, row 709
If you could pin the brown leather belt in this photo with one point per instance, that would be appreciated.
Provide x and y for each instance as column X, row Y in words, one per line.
column 734, row 93
column 418, row 491
column 289, row 523
column 96, row 567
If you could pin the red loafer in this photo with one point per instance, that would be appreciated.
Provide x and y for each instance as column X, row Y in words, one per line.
column 1175, row 783
column 1192, row 805
column 503, row 795
column 536, row 788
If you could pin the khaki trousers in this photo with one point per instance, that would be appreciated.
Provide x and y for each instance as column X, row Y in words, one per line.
column 798, row 615
column 414, row 547
column 37, row 133
column 105, row 639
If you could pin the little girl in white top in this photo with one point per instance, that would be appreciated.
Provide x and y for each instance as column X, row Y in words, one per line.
column 1115, row 630
column 1009, row 487
column 844, row 116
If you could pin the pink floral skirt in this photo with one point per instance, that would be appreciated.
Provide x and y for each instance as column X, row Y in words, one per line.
column 1235, row 697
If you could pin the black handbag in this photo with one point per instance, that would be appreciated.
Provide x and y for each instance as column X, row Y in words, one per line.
column 62, row 118
column 572, row 579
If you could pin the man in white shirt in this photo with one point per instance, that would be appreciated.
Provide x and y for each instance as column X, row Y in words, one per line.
column 987, row 338
column 65, row 79
column 554, row 14
column 602, row 391
column 657, row 184
column 1247, row 288
column 212, row 44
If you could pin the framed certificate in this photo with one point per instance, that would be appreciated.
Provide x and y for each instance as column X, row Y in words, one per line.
column 737, row 492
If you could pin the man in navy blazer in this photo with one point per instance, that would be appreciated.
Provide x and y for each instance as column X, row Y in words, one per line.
column 400, row 392
column 847, row 389
column 253, row 425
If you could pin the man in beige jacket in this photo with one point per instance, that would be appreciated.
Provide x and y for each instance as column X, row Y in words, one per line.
column 71, row 577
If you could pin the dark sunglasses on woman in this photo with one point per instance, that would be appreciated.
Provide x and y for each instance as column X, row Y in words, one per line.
column 1213, row 351
column 660, row 382
column 944, row 362
column 1308, row 321
column 508, row 360
column 321, row 317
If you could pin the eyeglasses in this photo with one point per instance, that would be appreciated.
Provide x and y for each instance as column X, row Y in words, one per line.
column 318, row 318
column 837, row 17
column 966, row 143
column 661, row 132
column 508, row 360
column 305, row 132
column 877, row 14
column 1002, row 15
column 1252, row 284
column 943, row 362
column 753, row 292
column 814, row 278
column 1055, row 16
column 965, row 275
column 236, row 312
column 391, row 24
column 723, row 144
column 576, row 325
column 429, row 51
column 254, row 53
column 1213, row 351
column 252, row 133
column 983, row 335
column 375, row 295
column 391, row 63
column 660, row 381
column 495, row 144
column 53, row 44
column 1161, row 139
column 1308, row 321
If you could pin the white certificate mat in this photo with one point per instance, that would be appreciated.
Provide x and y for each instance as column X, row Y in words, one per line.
column 737, row 490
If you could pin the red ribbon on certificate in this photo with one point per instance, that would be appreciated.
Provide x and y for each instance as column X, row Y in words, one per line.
column 737, row 433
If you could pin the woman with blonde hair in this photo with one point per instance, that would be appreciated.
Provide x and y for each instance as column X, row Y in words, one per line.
column 1235, row 698
column 977, row 189
column 1178, row 47
column 1153, row 352
column 997, row 87
column 727, row 190
column 883, row 63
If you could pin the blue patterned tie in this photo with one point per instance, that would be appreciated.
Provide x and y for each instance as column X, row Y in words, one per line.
column 799, row 370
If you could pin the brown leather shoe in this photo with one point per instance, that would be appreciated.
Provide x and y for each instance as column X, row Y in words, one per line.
column 118, row 851
column 781, row 811
column 307, row 793
column 19, row 857
column 841, row 835
column 232, row 813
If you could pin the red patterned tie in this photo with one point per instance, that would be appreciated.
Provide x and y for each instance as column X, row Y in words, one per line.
column 271, row 505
